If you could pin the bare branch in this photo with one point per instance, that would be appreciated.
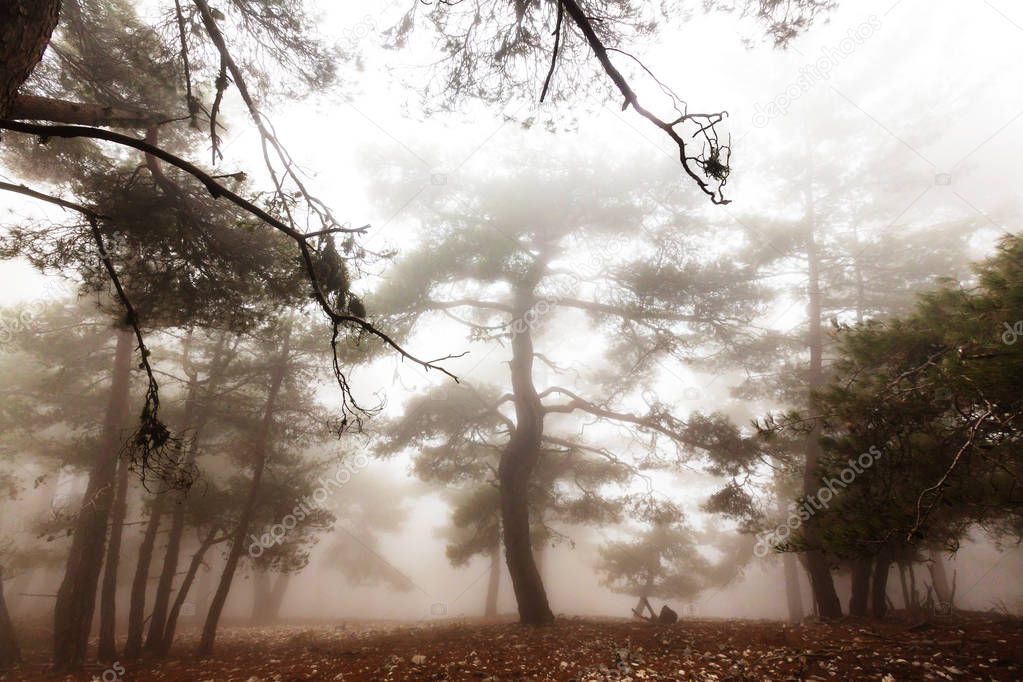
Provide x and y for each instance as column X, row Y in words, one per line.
column 713, row 162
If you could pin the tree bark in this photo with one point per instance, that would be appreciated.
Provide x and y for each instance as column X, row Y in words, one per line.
column 879, row 588
column 137, row 605
column 25, row 30
column 195, row 421
column 76, row 598
column 179, row 598
column 10, row 653
column 260, row 454
column 514, row 472
column 821, row 582
column 165, row 585
column 33, row 108
column 493, row 582
column 860, row 586
column 108, row 596
column 793, row 592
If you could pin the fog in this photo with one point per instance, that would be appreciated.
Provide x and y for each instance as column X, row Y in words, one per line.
column 352, row 335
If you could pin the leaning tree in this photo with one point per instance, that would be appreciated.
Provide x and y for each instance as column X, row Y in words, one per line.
column 512, row 256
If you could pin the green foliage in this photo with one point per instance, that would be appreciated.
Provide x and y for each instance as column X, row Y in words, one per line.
column 936, row 391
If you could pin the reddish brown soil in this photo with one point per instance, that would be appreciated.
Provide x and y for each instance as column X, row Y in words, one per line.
column 961, row 648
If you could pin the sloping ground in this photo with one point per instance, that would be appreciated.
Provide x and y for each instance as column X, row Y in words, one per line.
column 964, row 648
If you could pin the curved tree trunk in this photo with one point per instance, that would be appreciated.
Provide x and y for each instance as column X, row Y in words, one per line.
column 25, row 30
column 261, row 451
column 860, row 587
column 793, row 592
column 76, row 598
column 514, row 472
column 10, row 653
column 137, row 605
column 108, row 597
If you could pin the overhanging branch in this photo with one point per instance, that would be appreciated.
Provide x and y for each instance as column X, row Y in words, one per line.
column 217, row 191
column 713, row 162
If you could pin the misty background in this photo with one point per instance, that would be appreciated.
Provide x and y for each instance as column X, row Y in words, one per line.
column 910, row 95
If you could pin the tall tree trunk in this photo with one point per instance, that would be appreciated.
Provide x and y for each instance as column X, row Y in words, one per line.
column 10, row 653
column 493, row 582
column 25, row 30
column 879, row 588
column 76, row 598
column 260, row 453
column 179, row 598
column 906, row 600
column 137, row 605
column 204, row 590
column 268, row 595
column 860, row 586
column 793, row 592
column 914, row 596
column 280, row 589
column 260, row 596
column 108, row 597
column 939, row 578
column 514, row 472
column 165, row 585
column 821, row 582
column 195, row 419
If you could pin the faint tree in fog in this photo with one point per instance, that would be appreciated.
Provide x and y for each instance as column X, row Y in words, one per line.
column 834, row 248
column 662, row 558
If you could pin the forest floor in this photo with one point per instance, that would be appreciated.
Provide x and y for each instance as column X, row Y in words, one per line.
column 964, row 647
